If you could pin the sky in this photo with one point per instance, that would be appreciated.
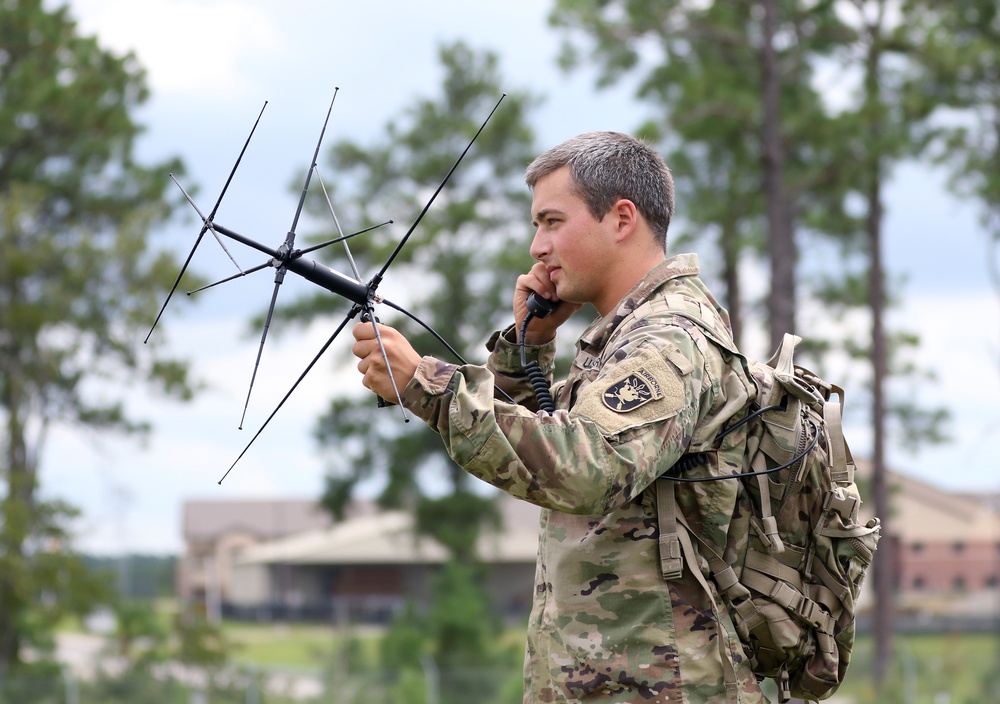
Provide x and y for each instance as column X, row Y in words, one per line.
column 211, row 66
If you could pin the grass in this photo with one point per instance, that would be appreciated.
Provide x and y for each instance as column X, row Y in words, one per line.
column 956, row 668
column 952, row 668
column 293, row 646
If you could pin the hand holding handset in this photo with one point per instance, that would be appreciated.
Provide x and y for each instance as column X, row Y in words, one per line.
column 538, row 307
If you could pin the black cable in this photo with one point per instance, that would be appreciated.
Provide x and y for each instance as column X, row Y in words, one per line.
column 439, row 338
column 687, row 462
column 536, row 377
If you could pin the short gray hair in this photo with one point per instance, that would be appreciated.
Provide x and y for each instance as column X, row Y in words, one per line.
column 607, row 166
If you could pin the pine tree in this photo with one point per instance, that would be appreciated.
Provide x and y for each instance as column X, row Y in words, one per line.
column 78, row 281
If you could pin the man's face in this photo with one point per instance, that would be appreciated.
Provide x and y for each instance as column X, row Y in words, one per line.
column 572, row 244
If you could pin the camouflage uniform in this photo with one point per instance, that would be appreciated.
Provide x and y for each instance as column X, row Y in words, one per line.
column 646, row 386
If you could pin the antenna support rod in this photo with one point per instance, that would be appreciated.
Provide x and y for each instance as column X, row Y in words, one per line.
column 309, row 269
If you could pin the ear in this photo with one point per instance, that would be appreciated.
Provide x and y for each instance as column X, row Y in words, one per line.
column 626, row 219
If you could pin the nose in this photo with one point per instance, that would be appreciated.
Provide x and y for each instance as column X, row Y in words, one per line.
column 540, row 246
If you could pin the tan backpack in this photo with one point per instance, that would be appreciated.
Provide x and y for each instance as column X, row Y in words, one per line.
column 791, row 583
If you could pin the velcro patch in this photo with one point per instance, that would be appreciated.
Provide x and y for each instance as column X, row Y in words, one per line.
column 643, row 388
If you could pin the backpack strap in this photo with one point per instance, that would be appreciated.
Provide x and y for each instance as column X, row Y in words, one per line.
column 675, row 548
column 766, row 526
column 671, row 558
column 841, row 460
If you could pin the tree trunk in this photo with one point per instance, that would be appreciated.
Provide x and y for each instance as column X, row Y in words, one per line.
column 16, row 516
column 781, row 243
column 731, row 273
column 884, row 557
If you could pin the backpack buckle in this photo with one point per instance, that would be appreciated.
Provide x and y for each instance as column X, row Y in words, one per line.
column 767, row 531
column 784, row 688
column 671, row 558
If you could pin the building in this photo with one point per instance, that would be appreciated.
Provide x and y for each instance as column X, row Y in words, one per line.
column 362, row 569
column 215, row 532
column 948, row 560
column 285, row 560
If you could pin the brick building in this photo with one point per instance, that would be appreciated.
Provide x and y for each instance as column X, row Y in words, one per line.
column 948, row 558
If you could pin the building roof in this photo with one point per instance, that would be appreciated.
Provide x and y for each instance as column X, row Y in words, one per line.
column 209, row 520
column 388, row 537
column 299, row 532
column 924, row 512
column 927, row 513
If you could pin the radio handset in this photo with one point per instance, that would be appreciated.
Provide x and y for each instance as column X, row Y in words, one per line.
column 538, row 307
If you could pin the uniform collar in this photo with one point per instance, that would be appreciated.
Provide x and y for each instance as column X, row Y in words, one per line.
column 597, row 335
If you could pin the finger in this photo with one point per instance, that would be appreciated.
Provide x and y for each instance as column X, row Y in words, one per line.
column 361, row 349
column 545, row 287
column 536, row 281
column 363, row 331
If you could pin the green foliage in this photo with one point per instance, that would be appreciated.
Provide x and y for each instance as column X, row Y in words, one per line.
column 453, row 653
column 133, row 685
column 966, row 72
column 142, row 644
column 928, row 668
column 32, row 683
column 461, row 624
column 700, row 67
column 78, row 282
column 140, row 636
column 200, row 643
column 404, row 646
column 142, row 685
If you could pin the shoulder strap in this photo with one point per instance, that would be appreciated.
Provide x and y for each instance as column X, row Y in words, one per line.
column 675, row 548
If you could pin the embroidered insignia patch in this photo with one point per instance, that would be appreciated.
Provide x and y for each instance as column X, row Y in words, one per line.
column 634, row 391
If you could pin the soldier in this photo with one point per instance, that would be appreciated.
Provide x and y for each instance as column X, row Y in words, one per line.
column 610, row 622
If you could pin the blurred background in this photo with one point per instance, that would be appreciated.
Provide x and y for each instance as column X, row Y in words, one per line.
column 837, row 170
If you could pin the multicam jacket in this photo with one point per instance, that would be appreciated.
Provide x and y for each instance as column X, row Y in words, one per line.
column 646, row 386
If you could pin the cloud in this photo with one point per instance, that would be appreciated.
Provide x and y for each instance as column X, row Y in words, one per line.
column 960, row 342
column 191, row 48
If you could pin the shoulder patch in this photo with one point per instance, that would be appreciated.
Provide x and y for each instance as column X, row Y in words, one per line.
column 643, row 388
column 635, row 390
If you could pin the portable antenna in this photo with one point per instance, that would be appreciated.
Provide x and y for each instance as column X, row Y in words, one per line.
column 363, row 297
column 206, row 222
column 365, row 306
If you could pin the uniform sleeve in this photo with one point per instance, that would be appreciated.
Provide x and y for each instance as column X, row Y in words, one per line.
column 508, row 373
column 627, row 427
